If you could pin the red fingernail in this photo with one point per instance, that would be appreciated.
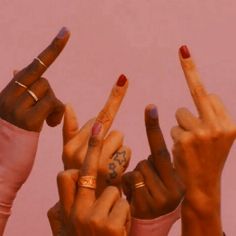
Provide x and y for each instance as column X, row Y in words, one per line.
column 121, row 81
column 184, row 52
column 96, row 128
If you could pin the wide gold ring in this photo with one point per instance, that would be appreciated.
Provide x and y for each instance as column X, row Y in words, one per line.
column 87, row 182
column 139, row 185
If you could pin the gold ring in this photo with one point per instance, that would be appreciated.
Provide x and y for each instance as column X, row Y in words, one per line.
column 87, row 182
column 139, row 185
column 33, row 95
column 21, row 85
column 40, row 61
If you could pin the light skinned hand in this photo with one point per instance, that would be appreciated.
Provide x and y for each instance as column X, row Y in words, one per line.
column 163, row 190
column 18, row 107
column 201, row 146
column 82, row 212
column 115, row 155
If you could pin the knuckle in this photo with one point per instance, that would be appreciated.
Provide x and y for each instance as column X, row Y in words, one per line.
column 93, row 142
column 185, row 140
column 96, row 221
column 119, row 134
column 61, row 176
column 44, row 83
column 112, row 228
column 112, row 190
column 105, row 116
column 142, row 165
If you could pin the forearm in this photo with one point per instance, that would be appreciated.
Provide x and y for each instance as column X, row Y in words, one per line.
column 17, row 152
column 156, row 227
column 201, row 213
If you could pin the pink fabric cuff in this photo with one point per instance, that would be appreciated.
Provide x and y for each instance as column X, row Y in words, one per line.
column 155, row 227
column 17, row 153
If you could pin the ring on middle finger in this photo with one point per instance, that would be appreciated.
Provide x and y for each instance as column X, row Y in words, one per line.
column 139, row 185
column 87, row 182
column 33, row 95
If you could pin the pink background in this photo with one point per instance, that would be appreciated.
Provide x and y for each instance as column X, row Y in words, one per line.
column 138, row 38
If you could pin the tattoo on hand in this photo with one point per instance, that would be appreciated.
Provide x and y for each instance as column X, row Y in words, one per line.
column 120, row 159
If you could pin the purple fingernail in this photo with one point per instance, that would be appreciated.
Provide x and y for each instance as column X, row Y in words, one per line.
column 153, row 113
column 62, row 33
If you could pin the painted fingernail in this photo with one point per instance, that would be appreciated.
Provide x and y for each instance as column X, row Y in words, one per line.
column 153, row 113
column 62, row 33
column 96, row 128
column 184, row 52
column 121, row 81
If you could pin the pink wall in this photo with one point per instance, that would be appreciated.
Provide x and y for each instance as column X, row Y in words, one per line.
column 138, row 38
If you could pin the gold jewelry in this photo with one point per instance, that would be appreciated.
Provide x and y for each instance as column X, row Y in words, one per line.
column 139, row 185
column 88, row 182
column 41, row 62
column 33, row 95
column 21, row 85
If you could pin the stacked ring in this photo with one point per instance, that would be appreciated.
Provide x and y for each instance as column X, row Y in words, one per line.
column 139, row 185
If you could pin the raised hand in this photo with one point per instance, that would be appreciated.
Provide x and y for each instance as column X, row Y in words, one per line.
column 201, row 147
column 28, row 99
column 153, row 188
column 115, row 156
column 82, row 212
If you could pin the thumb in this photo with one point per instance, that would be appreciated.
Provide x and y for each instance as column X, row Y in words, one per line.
column 70, row 125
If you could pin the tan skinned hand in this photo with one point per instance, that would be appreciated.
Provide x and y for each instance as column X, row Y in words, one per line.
column 201, row 147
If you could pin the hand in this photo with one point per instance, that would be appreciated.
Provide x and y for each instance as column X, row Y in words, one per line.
column 201, row 147
column 162, row 191
column 83, row 213
column 114, row 157
column 17, row 104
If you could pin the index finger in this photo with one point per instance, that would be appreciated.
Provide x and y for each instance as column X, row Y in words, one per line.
column 109, row 111
column 196, row 87
column 41, row 63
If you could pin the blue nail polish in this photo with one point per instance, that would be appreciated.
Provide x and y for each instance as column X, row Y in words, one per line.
column 62, row 33
column 153, row 113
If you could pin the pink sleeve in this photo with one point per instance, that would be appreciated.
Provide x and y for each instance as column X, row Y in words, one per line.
column 17, row 153
column 155, row 227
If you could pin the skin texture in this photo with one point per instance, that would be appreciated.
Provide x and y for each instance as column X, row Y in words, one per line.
column 163, row 190
column 18, row 107
column 85, row 214
column 114, row 157
column 201, row 146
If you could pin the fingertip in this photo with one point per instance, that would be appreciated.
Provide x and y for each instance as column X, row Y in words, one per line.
column 151, row 115
column 64, row 33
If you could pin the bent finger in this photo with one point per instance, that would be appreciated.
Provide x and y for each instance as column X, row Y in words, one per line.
column 70, row 124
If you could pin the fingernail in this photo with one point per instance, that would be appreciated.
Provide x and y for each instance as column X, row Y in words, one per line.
column 153, row 113
column 121, row 81
column 62, row 33
column 184, row 52
column 96, row 128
